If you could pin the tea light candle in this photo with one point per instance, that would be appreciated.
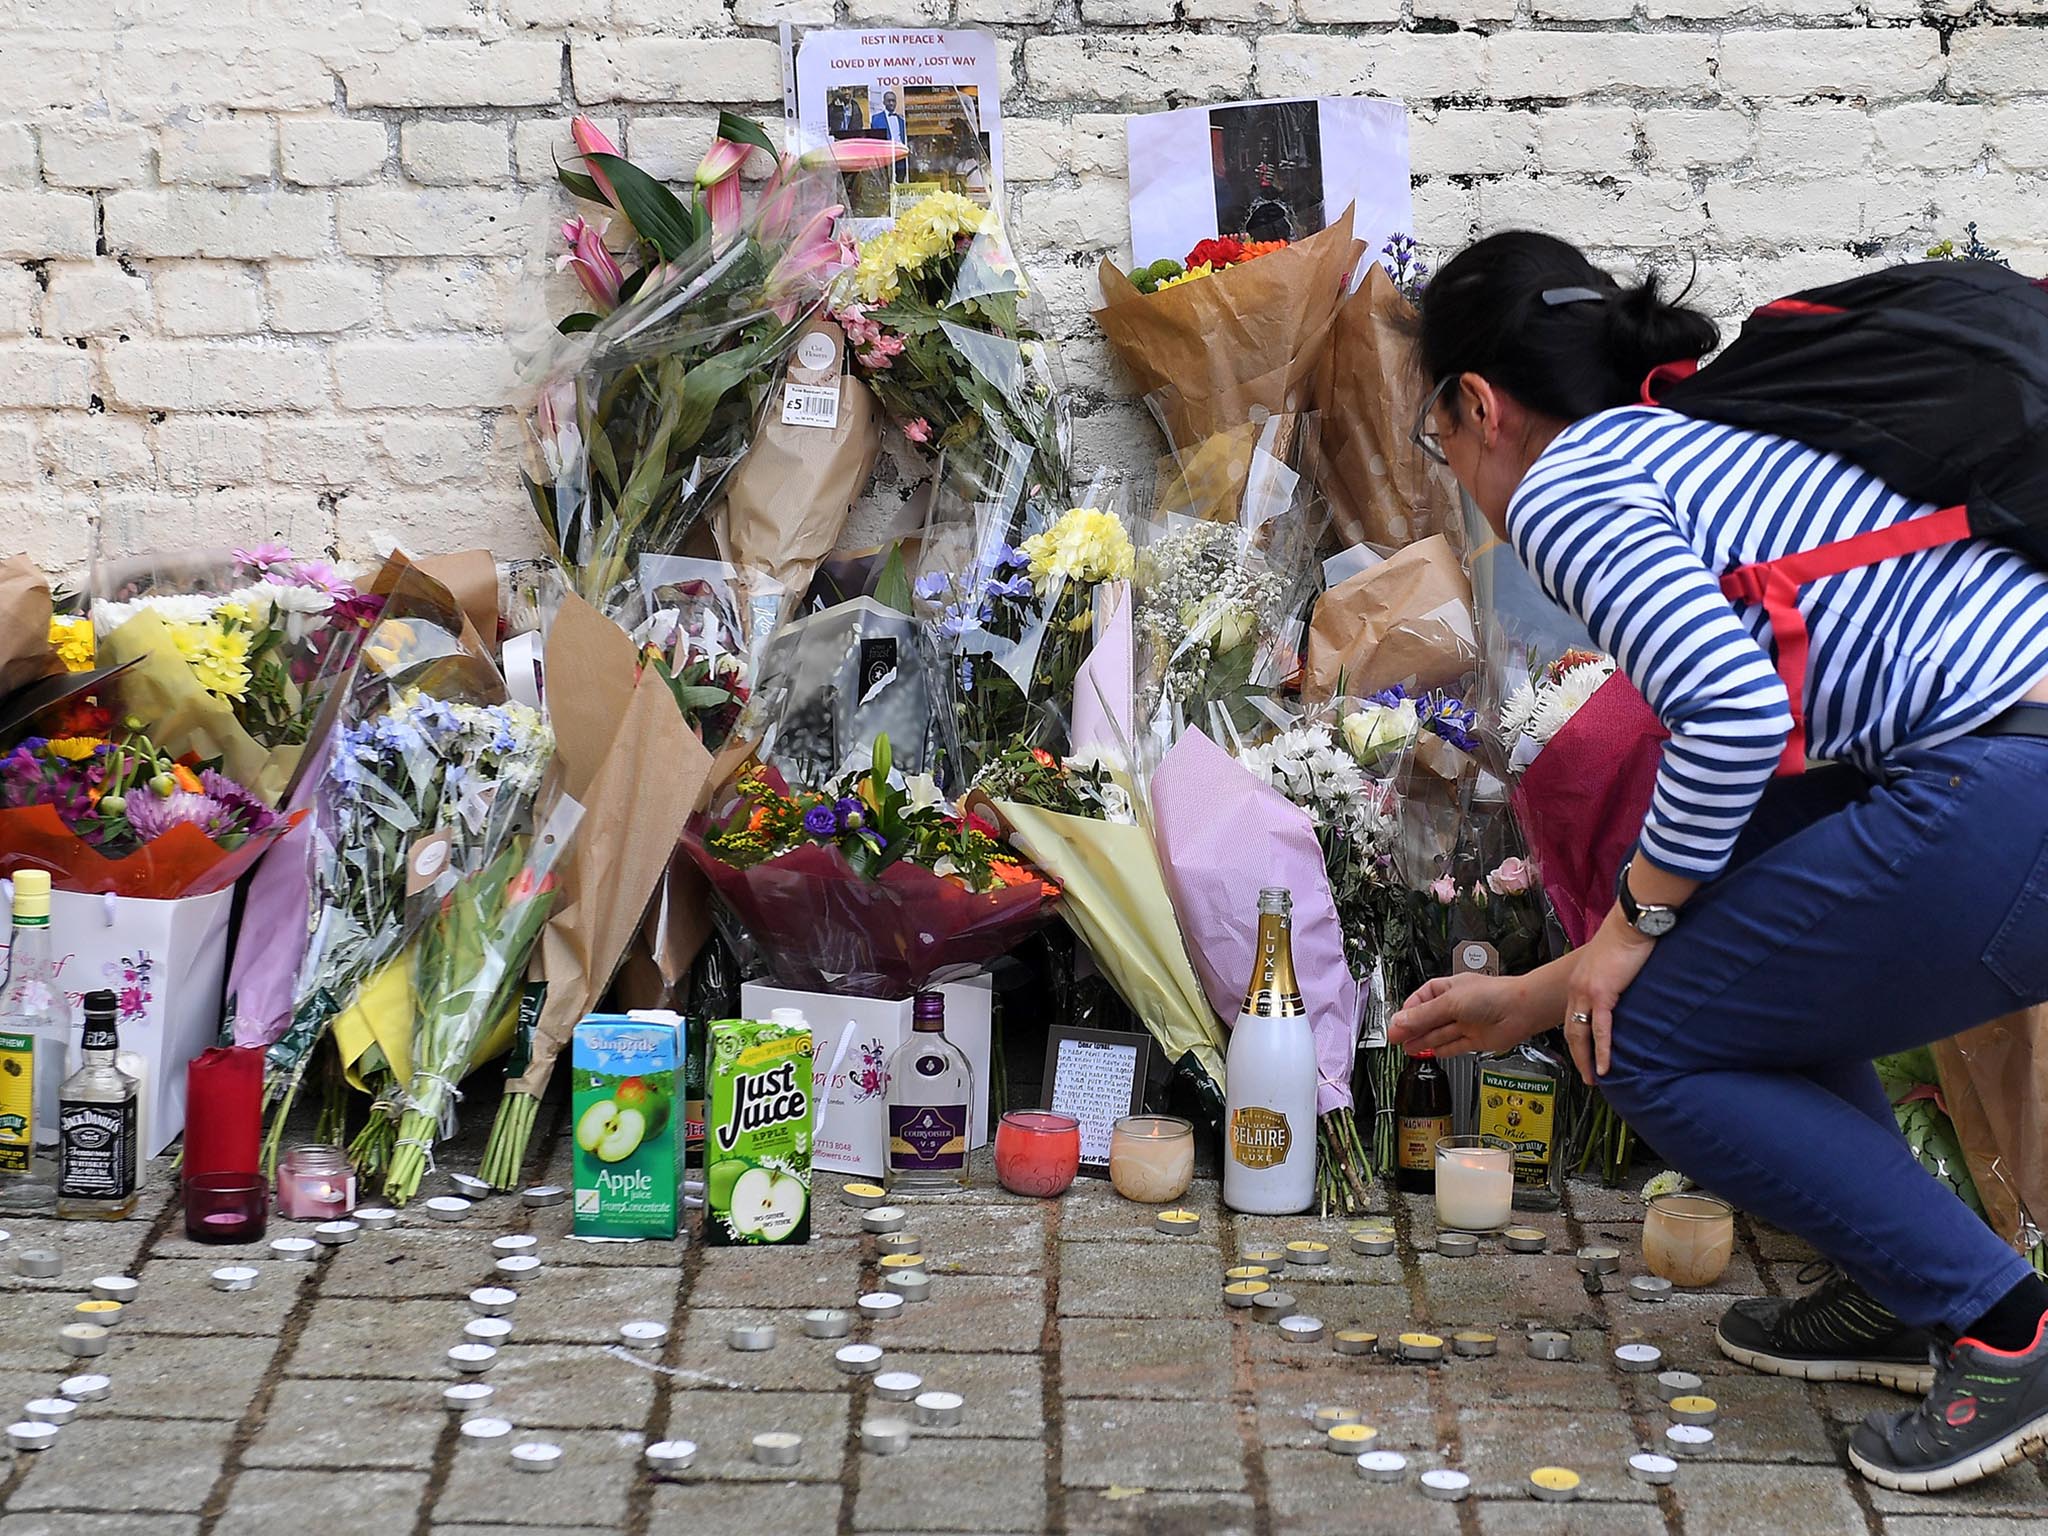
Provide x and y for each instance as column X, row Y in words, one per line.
column 1688, row 1237
column 667, row 1458
column 121, row 1288
column 488, row 1330
column 472, row 1359
column 1649, row 1467
column 315, row 1183
column 1308, row 1253
column 1245, row 1272
column 86, row 1389
column 1445, row 1485
column 1456, row 1245
column 1546, row 1344
column 751, row 1338
column 1373, row 1244
column 1672, row 1385
column 1638, row 1358
column 513, row 1242
column 493, row 1301
column 376, row 1218
column 1244, row 1293
column 544, row 1194
column 516, row 1264
column 484, row 1427
column 1475, row 1184
column 294, row 1249
column 1273, row 1305
column 858, row 1359
column 911, row 1285
column 1555, row 1485
column 1421, row 1348
column 466, row 1395
column 885, row 1437
column 864, row 1196
column 1038, row 1152
column 536, row 1456
column 939, row 1410
column 898, row 1386
column 38, row 1264
column 448, row 1208
column 1151, row 1158
column 1474, row 1344
column 1272, row 1258
column 1599, row 1261
column 51, row 1410
column 900, row 1264
column 1688, row 1440
column 1650, row 1288
column 1178, row 1223
column 1351, row 1438
column 884, row 1218
column 1356, row 1341
column 1525, row 1239
column 469, row 1186
column 828, row 1323
column 83, row 1339
column 1302, row 1329
column 643, row 1334
column 880, row 1304
column 1695, row 1410
column 334, row 1233
column 1382, row 1466
column 778, row 1448
column 31, row 1436
column 1327, row 1419
column 898, row 1242
column 226, row 1207
column 106, row 1313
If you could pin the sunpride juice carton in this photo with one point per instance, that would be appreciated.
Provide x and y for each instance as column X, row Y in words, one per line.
column 629, row 1135
column 757, row 1138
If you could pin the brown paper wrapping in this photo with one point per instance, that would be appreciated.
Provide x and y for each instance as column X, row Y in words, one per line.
column 25, row 654
column 624, row 752
column 1408, row 620
column 1248, row 337
column 471, row 577
column 1383, row 489
column 1994, row 1080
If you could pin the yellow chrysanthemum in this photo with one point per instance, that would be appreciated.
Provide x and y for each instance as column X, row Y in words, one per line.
column 1199, row 269
column 74, row 748
column 219, row 659
column 877, row 277
column 1086, row 544
column 71, row 638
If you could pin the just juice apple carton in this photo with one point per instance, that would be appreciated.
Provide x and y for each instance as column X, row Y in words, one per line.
column 757, row 1136
column 629, row 1134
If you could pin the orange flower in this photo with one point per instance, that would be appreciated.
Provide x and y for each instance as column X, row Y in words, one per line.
column 1043, row 758
column 186, row 779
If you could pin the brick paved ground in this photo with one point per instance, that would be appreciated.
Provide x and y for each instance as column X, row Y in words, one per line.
column 1107, row 1390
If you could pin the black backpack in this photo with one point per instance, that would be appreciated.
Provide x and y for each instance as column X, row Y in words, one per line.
column 1932, row 376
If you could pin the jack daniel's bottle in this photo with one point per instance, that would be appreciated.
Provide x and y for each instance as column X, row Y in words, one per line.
column 1269, row 1152
column 99, row 1151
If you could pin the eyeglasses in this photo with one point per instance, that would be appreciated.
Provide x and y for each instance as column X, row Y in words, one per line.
column 1423, row 436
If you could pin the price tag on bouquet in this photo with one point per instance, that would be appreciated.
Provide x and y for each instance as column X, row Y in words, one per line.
column 1474, row 957
column 810, row 392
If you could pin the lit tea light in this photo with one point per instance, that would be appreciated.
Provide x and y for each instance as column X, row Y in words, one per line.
column 516, row 1264
column 1649, row 1467
column 107, row 1314
column 1421, row 1348
column 1350, row 1439
column 38, row 1264
column 515, row 1242
column 472, row 1359
column 900, row 1264
column 858, row 1359
column 469, row 1187
column 751, row 1338
column 120, row 1288
column 333, row 1234
column 86, row 1389
column 939, row 1410
column 536, row 1456
column 485, row 1427
column 1688, row 1440
column 644, row 1334
column 488, row 1330
column 828, row 1323
column 1547, row 1344
column 778, row 1448
column 1327, row 1419
column 911, row 1285
column 51, row 1410
column 1272, row 1258
column 669, row 1458
column 1178, row 1223
column 1475, row 1344
column 1373, row 1242
column 1244, row 1293
column 1308, row 1253
column 1676, row 1384
column 1245, row 1272
column 493, row 1301
column 1382, row 1466
column 1456, row 1245
column 1555, row 1485
column 31, row 1436
column 884, row 1218
column 898, row 1386
column 1525, row 1239
column 1599, row 1261
column 880, row 1305
column 885, row 1437
column 1649, row 1288
column 465, row 1396
column 1443, row 1484
column 1273, row 1305
column 1638, row 1358
column 448, row 1208
column 1302, row 1329
column 377, row 1218
column 1700, row 1412
column 294, row 1249
column 1356, row 1341
column 864, row 1196
column 543, row 1194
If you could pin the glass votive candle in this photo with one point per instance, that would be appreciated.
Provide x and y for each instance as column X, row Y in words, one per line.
column 315, row 1183
column 1475, row 1184
column 226, row 1207
column 1688, row 1237
column 1037, row 1152
column 1151, row 1158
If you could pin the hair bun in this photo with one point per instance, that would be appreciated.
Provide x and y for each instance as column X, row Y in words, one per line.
column 1643, row 331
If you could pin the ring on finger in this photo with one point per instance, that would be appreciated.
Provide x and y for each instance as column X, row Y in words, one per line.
column 1583, row 1019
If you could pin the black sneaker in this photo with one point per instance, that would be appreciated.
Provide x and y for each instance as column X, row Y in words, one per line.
column 1835, row 1332
column 1987, row 1410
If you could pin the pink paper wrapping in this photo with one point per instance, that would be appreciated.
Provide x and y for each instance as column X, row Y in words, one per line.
column 275, row 924
column 1223, row 835
column 1583, row 800
column 1104, row 685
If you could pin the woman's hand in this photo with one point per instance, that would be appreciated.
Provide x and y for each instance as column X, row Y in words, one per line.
column 1455, row 1014
column 1607, row 965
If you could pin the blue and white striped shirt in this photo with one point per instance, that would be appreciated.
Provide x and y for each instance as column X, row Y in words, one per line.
column 1630, row 518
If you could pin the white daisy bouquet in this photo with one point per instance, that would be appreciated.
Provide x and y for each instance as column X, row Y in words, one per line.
column 1535, row 710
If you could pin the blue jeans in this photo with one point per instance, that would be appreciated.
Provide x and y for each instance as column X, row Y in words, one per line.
column 1857, row 919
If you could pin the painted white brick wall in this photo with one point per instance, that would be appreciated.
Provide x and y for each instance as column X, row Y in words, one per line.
column 258, row 258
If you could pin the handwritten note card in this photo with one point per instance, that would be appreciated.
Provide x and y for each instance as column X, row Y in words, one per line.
column 1096, row 1079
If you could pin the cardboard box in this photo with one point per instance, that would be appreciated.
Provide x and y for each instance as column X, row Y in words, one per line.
column 860, row 1034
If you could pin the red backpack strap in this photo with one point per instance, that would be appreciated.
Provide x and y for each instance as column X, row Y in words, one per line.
column 1668, row 373
column 1776, row 584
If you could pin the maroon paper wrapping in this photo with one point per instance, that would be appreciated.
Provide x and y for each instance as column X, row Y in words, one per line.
column 224, row 1110
column 1583, row 800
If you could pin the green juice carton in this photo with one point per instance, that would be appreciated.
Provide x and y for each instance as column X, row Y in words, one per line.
column 629, row 1133
column 757, row 1134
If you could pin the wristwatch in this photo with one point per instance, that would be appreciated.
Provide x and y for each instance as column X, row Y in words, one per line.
column 1651, row 922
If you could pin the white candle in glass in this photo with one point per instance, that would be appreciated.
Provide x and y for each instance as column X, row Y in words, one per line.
column 1475, row 1185
column 1151, row 1158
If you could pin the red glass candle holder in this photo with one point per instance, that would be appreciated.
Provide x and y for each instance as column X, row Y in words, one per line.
column 1037, row 1152
column 226, row 1207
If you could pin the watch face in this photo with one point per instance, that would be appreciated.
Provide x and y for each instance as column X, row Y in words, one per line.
column 1655, row 922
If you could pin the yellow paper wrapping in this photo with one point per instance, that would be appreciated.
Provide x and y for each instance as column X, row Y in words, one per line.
column 1114, row 898
column 382, row 1017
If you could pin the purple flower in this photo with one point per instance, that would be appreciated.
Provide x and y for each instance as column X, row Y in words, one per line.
column 931, row 588
column 153, row 815
column 848, row 809
column 1016, row 586
column 1012, row 558
column 821, row 821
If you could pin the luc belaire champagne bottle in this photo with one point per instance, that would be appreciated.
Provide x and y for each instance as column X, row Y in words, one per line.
column 1269, row 1153
column 99, row 1151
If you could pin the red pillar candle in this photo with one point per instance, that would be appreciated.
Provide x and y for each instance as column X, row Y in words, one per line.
column 224, row 1111
column 1037, row 1152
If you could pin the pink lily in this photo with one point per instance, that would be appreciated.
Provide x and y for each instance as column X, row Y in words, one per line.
column 856, row 154
column 918, row 431
column 723, row 159
column 815, row 256
column 591, row 140
column 718, row 178
column 595, row 267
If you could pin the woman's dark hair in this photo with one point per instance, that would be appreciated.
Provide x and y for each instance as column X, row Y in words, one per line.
column 1504, row 308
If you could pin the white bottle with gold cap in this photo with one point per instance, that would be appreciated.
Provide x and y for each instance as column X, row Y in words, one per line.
column 1269, row 1123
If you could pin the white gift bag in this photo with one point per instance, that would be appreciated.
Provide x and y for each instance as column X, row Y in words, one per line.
column 852, row 1039
column 164, row 961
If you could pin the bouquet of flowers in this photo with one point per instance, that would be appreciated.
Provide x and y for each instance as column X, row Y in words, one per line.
column 937, row 314
column 873, row 884
column 1208, row 257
